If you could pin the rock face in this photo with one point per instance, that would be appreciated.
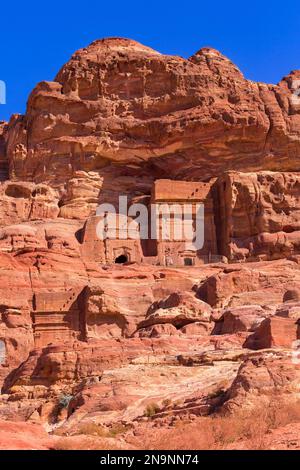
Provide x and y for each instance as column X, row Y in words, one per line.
column 244, row 318
column 119, row 116
column 179, row 309
column 3, row 158
column 259, row 215
column 275, row 332
column 125, row 330
column 262, row 283
column 261, row 377
column 119, row 102
column 22, row 436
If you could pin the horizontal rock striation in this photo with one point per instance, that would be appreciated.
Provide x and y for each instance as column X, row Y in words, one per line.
column 138, row 332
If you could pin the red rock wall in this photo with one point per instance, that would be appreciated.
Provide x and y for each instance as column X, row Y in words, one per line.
column 258, row 215
column 118, row 118
column 118, row 102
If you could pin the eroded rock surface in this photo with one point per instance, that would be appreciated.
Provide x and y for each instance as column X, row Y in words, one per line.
column 141, row 333
column 120, row 102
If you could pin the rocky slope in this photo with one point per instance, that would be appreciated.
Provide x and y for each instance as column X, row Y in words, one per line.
column 85, row 346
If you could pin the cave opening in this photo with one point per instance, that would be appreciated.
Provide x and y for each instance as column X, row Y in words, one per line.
column 121, row 259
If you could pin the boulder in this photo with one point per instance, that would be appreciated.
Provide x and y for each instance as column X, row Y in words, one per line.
column 244, row 318
column 179, row 309
column 274, row 332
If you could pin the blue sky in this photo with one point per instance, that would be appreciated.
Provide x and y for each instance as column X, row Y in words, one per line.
column 38, row 37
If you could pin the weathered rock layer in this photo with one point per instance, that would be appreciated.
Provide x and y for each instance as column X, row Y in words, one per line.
column 82, row 338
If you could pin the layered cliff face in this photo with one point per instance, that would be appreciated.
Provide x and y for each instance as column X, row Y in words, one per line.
column 258, row 215
column 135, row 114
column 83, row 340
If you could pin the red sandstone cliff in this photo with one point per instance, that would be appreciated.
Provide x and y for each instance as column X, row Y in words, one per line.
column 118, row 102
column 80, row 338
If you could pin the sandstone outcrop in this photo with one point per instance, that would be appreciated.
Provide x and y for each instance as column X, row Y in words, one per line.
column 244, row 318
column 178, row 309
column 23, row 436
column 249, row 284
column 260, row 377
column 275, row 332
column 119, row 102
column 259, row 215
column 143, row 331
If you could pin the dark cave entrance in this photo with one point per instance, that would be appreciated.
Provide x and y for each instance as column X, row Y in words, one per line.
column 121, row 259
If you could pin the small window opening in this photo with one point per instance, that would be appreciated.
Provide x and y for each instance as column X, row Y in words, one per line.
column 188, row 262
